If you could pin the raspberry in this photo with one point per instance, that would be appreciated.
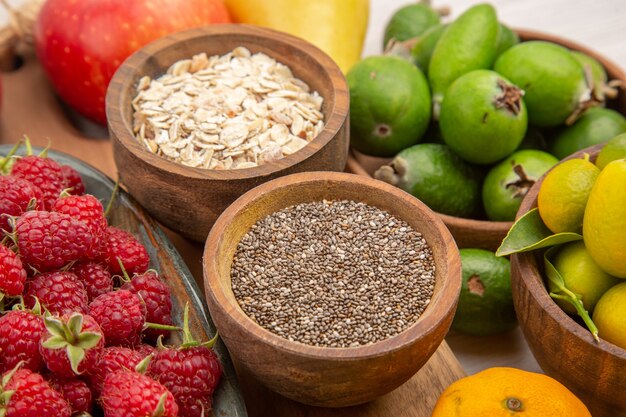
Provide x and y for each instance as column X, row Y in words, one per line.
column 32, row 396
column 145, row 350
column 45, row 173
column 113, row 359
column 72, row 180
column 16, row 196
column 157, row 298
column 20, row 333
column 59, row 292
column 119, row 244
column 87, row 209
column 121, row 316
column 191, row 372
column 131, row 394
column 71, row 345
column 49, row 240
column 95, row 277
column 12, row 273
column 75, row 391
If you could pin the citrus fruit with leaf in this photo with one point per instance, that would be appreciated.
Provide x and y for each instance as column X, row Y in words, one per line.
column 581, row 275
column 610, row 316
column 508, row 392
column 613, row 150
column 564, row 193
column 485, row 303
column 604, row 223
column 507, row 183
column 389, row 105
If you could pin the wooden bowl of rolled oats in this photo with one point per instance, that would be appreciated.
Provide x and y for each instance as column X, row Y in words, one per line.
column 332, row 289
column 199, row 117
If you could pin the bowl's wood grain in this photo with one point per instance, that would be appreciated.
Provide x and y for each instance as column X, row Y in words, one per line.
column 187, row 199
column 328, row 376
column 565, row 350
column 128, row 215
column 485, row 234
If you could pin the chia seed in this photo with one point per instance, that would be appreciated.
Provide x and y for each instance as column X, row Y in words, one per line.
column 333, row 274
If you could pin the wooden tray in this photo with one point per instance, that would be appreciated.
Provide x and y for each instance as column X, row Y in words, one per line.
column 128, row 215
column 30, row 107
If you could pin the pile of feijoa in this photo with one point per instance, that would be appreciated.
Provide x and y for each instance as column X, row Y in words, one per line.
column 471, row 116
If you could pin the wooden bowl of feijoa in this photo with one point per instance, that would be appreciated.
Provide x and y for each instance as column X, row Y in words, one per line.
column 483, row 229
column 561, row 343
column 331, row 289
column 199, row 117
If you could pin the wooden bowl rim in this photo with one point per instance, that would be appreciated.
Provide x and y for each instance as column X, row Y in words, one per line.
column 124, row 80
column 532, row 280
column 613, row 70
column 424, row 326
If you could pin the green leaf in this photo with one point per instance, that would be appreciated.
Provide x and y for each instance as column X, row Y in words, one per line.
column 160, row 408
column 563, row 293
column 55, row 326
column 55, row 342
column 76, row 356
column 87, row 340
column 529, row 233
column 75, row 324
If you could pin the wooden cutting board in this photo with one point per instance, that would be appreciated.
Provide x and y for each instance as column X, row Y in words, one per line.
column 29, row 107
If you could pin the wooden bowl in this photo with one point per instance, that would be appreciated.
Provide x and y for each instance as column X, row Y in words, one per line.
column 322, row 376
column 486, row 234
column 565, row 349
column 189, row 200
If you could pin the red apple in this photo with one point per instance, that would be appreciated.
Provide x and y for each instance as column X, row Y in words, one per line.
column 81, row 43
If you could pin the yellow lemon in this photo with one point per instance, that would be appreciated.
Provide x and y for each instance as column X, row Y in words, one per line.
column 564, row 193
column 604, row 225
column 582, row 276
column 610, row 316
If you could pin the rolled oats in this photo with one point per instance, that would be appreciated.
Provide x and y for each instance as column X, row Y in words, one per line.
column 234, row 111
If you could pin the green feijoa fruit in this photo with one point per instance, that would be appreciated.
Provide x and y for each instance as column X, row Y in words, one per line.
column 597, row 125
column 485, row 302
column 508, row 182
column 425, row 45
column 506, row 39
column 534, row 139
column 554, row 83
column 438, row 177
column 409, row 22
column 469, row 43
column 597, row 72
column 389, row 105
column 483, row 117
column 613, row 150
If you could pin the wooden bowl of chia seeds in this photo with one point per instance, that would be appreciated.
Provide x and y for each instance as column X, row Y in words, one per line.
column 332, row 289
column 199, row 117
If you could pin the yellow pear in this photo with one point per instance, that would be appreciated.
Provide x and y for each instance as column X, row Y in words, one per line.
column 336, row 26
